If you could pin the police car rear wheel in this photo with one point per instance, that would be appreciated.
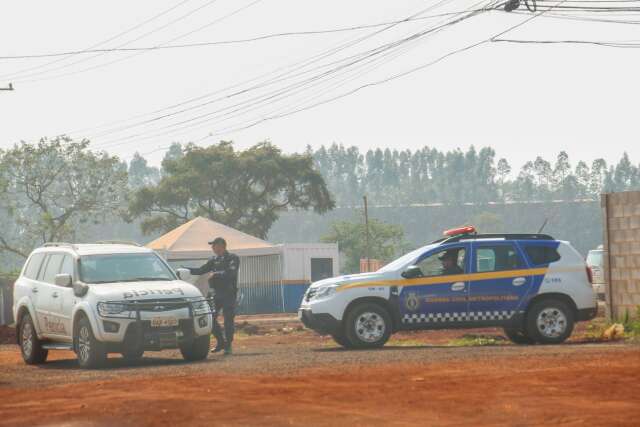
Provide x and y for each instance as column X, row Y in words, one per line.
column 518, row 336
column 550, row 322
column 30, row 345
column 368, row 325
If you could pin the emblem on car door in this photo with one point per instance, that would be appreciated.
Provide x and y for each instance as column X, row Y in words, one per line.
column 519, row 281
column 412, row 302
column 458, row 286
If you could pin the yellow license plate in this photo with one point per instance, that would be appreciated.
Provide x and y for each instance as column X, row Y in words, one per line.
column 164, row 322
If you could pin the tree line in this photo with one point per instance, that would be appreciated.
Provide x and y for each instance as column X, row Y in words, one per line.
column 428, row 175
column 61, row 189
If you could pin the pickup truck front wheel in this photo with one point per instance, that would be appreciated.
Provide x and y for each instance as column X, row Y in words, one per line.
column 30, row 345
column 196, row 349
column 91, row 352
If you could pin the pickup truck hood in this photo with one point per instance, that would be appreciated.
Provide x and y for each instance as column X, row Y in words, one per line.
column 353, row 278
column 132, row 291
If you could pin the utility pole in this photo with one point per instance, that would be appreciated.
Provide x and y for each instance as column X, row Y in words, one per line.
column 10, row 87
column 366, row 228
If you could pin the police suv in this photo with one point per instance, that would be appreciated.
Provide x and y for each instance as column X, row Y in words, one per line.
column 532, row 285
column 96, row 299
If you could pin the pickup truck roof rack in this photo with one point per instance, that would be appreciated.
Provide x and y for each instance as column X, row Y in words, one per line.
column 117, row 242
column 58, row 244
column 507, row 236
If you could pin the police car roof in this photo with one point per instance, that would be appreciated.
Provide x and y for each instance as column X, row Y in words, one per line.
column 495, row 236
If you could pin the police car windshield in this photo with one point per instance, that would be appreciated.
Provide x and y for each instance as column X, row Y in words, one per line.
column 404, row 260
column 123, row 268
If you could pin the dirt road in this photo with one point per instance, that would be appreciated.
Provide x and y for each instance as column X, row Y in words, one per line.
column 299, row 378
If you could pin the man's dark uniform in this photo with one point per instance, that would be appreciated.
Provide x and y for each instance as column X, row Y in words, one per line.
column 224, row 283
column 454, row 268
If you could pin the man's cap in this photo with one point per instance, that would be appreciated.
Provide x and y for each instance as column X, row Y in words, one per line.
column 218, row 241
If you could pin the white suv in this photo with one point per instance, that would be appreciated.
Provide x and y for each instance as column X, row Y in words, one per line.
column 532, row 285
column 97, row 299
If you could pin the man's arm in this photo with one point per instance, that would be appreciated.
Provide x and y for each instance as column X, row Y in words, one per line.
column 207, row 267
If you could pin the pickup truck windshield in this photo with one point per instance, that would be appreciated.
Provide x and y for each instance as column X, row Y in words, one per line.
column 123, row 268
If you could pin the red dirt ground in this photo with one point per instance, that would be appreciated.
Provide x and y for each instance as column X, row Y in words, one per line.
column 601, row 389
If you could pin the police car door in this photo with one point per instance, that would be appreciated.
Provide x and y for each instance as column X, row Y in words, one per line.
column 500, row 281
column 438, row 297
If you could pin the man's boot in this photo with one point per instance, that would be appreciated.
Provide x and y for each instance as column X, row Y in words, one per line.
column 220, row 345
column 227, row 350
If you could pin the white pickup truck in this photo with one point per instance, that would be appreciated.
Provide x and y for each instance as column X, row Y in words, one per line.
column 97, row 299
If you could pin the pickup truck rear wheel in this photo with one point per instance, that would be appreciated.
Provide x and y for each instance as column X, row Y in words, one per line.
column 91, row 352
column 196, row 349
column 30, row 345
column 368, row 325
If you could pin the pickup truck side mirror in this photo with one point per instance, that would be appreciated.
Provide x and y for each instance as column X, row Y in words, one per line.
column 412, row 272
column 183, row 273
column 64, row 280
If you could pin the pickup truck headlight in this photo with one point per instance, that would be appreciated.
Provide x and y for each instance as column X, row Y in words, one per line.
column 324, row 292
column 112, row 309
column 200, row 306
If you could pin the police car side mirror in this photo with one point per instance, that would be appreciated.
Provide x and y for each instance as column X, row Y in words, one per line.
column 183, row 273
column 412, row 272
column 64, row 280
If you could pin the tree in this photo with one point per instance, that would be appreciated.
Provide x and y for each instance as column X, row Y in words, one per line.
column 140, row 173
column 52, row 189
column 386, row 241
column 245, row 190
column 562, row 169
column 503, row 170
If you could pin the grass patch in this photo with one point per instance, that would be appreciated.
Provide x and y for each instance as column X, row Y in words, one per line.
column 599, row 329
column 405, row 343
column 473, row 340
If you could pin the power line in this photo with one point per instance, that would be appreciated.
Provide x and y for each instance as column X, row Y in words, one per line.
column 382, row 81
column 225, row 42
column 269, row 96
column 282, row 93
column 291, row 72
column 103, row 42
column 27, row 78
column 629, row 44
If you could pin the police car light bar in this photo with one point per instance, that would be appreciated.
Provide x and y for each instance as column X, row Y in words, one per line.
column 458, row 231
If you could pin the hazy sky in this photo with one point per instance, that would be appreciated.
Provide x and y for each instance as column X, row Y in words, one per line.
column 524, row 100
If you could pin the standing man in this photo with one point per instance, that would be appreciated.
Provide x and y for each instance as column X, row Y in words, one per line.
column 223, row 280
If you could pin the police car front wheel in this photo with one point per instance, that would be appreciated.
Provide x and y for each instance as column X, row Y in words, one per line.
column 368, row 325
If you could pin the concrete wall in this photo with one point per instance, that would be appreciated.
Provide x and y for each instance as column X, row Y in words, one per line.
column 621, row 213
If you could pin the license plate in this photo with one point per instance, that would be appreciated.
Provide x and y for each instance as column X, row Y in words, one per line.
column 164, row 322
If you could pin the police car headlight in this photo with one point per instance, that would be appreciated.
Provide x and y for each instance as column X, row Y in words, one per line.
column 112, row 309
column 324, row 292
